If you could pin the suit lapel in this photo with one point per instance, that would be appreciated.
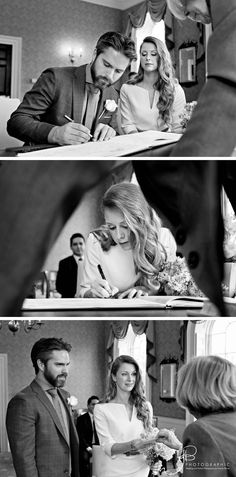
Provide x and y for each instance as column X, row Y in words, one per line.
column 49, row 406
column 78, row 93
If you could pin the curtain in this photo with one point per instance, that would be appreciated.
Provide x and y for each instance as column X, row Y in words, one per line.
column 119, row 330
column 158, row 11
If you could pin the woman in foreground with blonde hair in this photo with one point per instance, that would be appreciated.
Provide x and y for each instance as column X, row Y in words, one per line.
column 124, row 256
column 207, row 389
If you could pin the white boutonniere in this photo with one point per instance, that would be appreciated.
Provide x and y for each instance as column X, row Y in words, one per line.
column 109, row 106
column 72, row 401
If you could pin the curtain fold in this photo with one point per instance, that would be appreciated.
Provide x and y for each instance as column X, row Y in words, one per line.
column 158, row 10
column 119, row 330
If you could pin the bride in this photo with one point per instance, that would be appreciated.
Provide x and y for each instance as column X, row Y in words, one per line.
column 121, row 421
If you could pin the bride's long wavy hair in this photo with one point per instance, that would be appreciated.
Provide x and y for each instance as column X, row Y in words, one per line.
column 144, row 227
column 137, row 395
column 166, row 81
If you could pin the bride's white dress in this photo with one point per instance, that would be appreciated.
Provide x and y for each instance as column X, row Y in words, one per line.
column 114, row 426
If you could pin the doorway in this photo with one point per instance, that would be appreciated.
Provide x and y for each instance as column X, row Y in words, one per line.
column 10, row 66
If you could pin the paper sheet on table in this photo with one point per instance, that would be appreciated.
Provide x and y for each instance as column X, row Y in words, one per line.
column 117, row 146
column 159, row 302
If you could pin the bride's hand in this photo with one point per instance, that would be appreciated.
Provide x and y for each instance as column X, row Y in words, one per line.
column 101, row 289
column 134, row 292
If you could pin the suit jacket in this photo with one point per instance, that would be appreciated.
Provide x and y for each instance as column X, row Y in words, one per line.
column 209, row 446
column 66, row 281
column 38, row 445
column 57, row 92
column 211, row 131
column 85, row 431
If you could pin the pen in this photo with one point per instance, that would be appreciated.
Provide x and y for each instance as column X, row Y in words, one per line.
column 71, row 121
column 101, row 272
column 68, row 118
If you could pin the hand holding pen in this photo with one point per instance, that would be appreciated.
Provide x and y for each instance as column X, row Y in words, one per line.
column 70, row 133
column 102, row 288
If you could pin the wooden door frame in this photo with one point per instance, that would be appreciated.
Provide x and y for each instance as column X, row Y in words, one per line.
column 16, row 43
column 3, row 401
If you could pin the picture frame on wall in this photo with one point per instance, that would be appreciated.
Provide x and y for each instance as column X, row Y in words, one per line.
column 187, row 63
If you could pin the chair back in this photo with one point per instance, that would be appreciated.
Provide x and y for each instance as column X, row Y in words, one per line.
column 7, row 106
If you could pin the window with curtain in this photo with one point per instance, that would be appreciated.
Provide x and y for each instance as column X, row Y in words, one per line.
column 149, row 28
column 134, row 345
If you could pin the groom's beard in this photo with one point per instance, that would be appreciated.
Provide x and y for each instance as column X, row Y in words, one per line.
column 99, row 81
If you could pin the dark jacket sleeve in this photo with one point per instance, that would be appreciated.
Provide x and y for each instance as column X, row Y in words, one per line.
column 26, row 123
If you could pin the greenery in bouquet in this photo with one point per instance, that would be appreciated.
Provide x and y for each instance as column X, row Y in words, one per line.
column 229, row 244
column 187, row 113
column 176, row 279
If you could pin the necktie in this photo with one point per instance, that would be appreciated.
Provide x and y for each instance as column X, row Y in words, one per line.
column 79, row 275
column 93, row 97
column 55, row 398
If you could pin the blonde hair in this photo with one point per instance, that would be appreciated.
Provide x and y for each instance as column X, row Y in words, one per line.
column 207, row 384
column 177, row 7
column 144, row 227
column 137, row 395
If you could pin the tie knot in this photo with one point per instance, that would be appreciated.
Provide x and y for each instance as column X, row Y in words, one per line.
column 92, row 89
column 52, row 392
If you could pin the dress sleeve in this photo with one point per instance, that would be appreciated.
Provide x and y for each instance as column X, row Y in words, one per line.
column 102, row 428
column 92, row 257
column 127, row 118
column 169, row 244
column 202, row 453
column 177, row 108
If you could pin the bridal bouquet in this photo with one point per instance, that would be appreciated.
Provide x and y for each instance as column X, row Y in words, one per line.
column 187, row 113
column 157, row 453
column 230, row 238
column 176, row 279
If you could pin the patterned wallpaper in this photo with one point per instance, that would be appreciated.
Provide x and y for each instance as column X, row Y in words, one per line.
column 87, row 374
column 167, row 334
column 49, row 28
column 87, row 369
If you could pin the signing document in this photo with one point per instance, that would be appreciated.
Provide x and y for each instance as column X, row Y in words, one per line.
column 117, row 146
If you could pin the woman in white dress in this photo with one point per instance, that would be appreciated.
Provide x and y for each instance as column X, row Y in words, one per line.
column 125, row 256
column 153, row 99
column 122, row 421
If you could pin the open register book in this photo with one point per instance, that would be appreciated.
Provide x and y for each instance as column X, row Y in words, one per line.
column 117, row 146
column 158, row 302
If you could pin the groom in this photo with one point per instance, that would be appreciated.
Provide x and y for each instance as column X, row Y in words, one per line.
column 41, row 431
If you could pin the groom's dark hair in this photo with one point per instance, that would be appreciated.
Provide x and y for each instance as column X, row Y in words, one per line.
column 43, row 348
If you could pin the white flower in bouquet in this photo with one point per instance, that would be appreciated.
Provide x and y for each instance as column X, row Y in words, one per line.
column 230, row 238
column 157, row 452
column 110, row 106
column 187, row 113
column 72, row 401
column 176, row 279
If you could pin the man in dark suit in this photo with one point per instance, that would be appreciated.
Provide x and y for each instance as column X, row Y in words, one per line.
column 69, row 104
column 70, row 268
column 87, row 437
column 42, row 435
column 211, row 130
